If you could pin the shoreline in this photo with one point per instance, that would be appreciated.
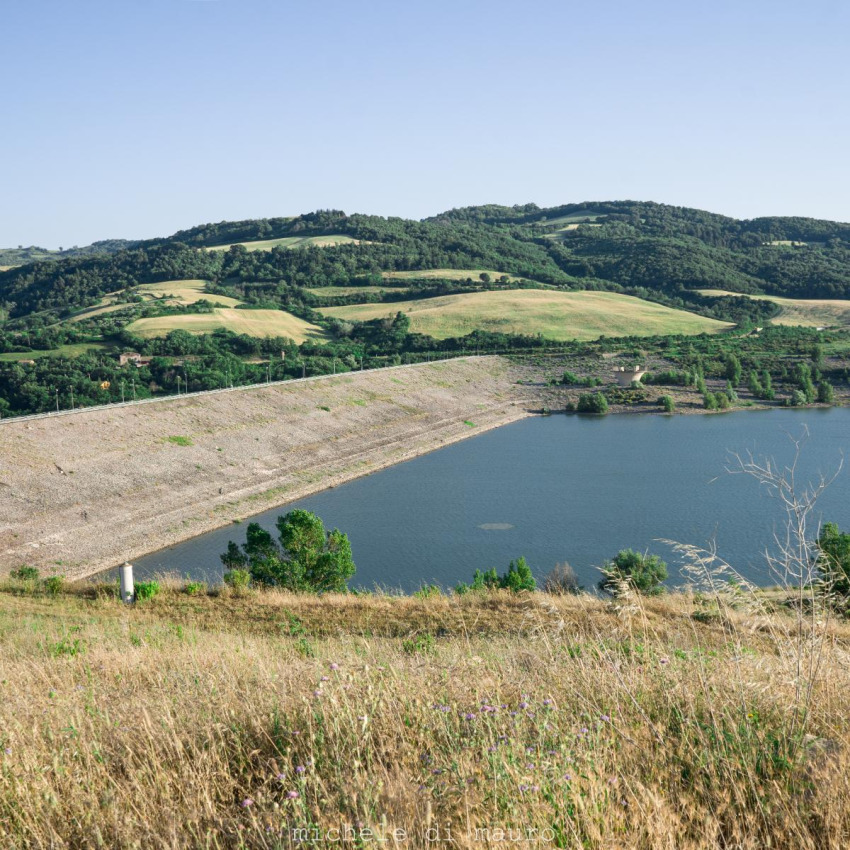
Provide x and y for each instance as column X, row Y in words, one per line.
column 338, row 481
column 85, row 493
column 81, row 494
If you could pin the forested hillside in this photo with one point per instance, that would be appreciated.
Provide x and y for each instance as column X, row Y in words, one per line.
column 613, row 245
column 80, row 308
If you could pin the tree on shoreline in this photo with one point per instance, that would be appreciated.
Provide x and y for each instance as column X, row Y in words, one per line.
column 305, row 558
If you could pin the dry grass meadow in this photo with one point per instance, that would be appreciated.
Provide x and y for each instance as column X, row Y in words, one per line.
column 260, row 323
column 268, row 720
column 556, row 315
column 803, row 312
column 325, row 241
column 185, row 292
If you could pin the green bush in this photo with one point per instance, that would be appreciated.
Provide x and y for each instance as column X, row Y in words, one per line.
column 24, row 573
column 54, row 584
column 237, row 579
column 427, row 591
column 146, row 590
column 834, row 560
column 826, row 394
column 644, row 573
column 573, row 380
column 669, row 378
column 195, row 588
column 419, row 644
column 518, row 577
column 667, row 403
column 592, row 403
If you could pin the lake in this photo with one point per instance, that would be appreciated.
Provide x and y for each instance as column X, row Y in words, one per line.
column 562, row 488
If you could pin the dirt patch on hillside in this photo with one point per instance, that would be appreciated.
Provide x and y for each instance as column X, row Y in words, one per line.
column 85, row 492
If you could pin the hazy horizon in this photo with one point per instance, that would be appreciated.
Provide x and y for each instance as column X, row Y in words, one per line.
column 137, row 120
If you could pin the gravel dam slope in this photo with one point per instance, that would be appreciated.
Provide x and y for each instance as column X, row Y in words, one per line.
column 85, row 492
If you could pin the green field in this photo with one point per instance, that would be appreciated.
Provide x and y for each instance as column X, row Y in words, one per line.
column 556, row 315
column 801, row 312
column 291, row 242
column 73, row 350
column 259, row 323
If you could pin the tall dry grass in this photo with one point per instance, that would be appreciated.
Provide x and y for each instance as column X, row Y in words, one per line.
column 561, row 720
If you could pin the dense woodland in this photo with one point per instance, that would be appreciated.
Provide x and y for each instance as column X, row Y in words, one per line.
column 652, row 251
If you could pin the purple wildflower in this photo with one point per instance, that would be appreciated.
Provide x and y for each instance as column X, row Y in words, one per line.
column 292, row 795
column 247, row 803
column 334, row 665
column 300, row 768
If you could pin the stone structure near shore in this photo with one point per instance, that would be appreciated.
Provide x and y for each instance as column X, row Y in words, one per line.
column 626, row 375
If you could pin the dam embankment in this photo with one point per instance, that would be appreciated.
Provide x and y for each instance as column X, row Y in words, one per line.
column 84, row 492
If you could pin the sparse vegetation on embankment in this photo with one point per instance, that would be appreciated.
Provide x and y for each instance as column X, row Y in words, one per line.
column 219, row 719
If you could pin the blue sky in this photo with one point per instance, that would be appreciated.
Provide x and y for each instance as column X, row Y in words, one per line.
column 134, row 118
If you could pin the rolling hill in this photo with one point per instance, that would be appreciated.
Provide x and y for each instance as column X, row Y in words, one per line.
column 555, row 315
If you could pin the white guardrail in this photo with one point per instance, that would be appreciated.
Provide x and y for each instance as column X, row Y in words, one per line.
column 241, row 387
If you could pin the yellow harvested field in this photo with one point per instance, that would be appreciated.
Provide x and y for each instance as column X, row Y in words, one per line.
column 259, row 323
column 555, row 315
column 327, row 241
column 448, row 274
column 800, row 312
column 6, row 268
column 185, row 292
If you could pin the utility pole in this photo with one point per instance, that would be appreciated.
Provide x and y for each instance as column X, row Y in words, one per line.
column 178, row 385
column 303, row 370
column 57, row 399
column 122, row 392
column 269, row 372
column 72, row 398
column 134, row 389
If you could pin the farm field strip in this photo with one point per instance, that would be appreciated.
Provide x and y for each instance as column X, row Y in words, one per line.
column 327, row 241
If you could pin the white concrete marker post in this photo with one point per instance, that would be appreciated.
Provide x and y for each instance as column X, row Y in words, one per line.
column 128, row 592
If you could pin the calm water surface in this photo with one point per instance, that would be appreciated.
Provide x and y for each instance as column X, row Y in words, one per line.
column 561, row 488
